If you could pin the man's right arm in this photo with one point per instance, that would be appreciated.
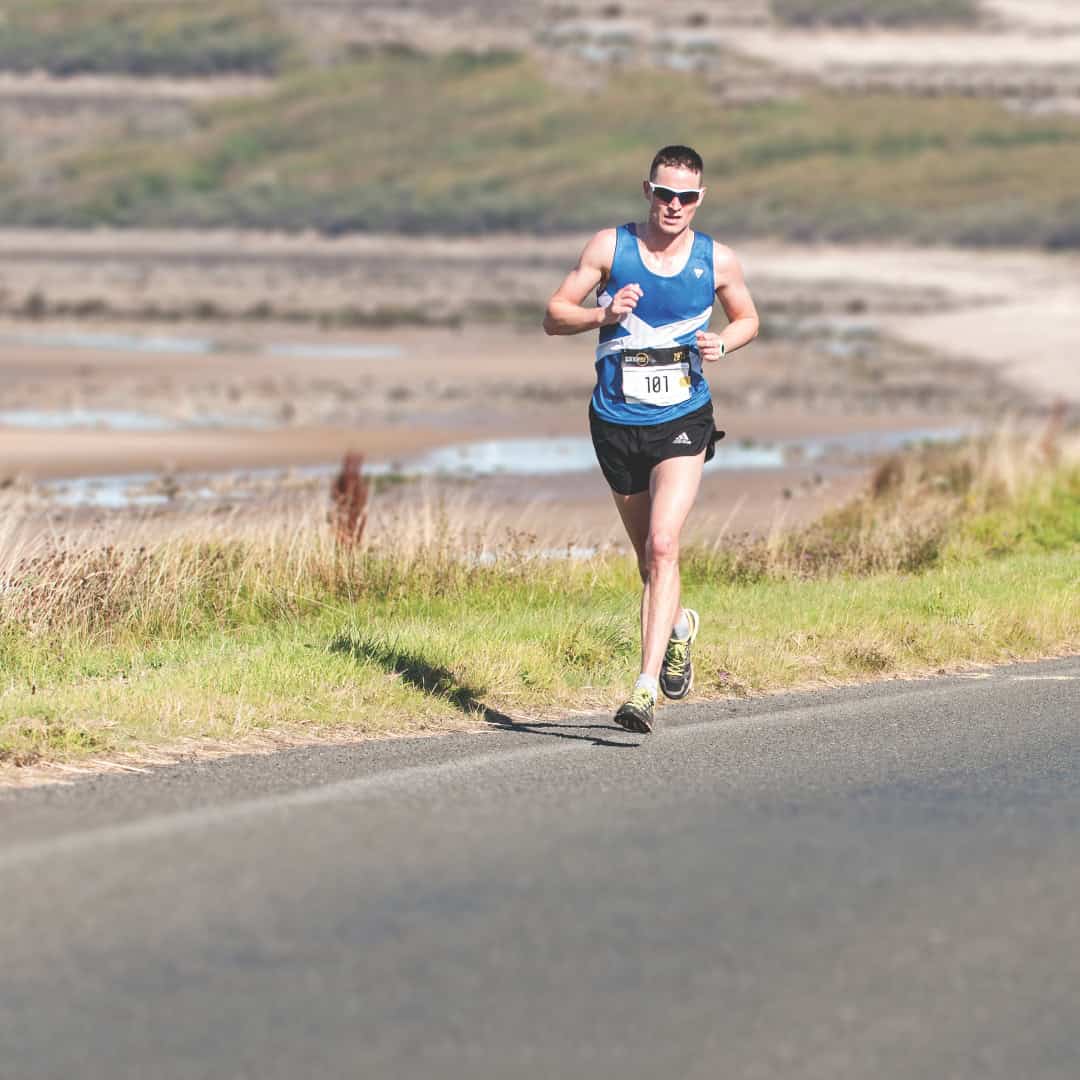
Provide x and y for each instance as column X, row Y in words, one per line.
column 565, row 313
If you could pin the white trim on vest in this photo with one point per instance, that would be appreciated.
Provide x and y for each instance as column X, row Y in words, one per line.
column 643, row 336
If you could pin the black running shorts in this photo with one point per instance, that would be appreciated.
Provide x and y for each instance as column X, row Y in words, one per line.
column 627, row 453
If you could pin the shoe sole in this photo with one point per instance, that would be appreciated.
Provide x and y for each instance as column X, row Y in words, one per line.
column 690, row 680
column 632, row 723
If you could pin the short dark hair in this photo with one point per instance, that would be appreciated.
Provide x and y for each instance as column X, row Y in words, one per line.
column 681, row 156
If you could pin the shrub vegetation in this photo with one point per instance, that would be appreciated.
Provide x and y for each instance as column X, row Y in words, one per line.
column 133, row 37
column 463, row 144
column 875, row 12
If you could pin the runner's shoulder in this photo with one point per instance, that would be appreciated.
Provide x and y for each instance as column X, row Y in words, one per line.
column 726, row 266
column 599, row 252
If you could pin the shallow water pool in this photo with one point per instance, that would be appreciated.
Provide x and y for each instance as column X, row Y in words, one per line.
column 495, row 457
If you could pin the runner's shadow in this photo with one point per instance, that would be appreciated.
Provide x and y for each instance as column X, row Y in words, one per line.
column 441, row 682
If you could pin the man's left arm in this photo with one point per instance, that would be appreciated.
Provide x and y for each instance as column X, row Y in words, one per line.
column 737, row 303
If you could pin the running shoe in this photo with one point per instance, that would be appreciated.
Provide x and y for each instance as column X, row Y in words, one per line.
column 677, row 671
column 637, row 713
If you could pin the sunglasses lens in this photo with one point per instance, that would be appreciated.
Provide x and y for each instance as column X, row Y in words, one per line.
column 666, row 194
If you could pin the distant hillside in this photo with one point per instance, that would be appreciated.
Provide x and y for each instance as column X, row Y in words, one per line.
column 372, row 133
column 133, row 37
column 463, row 142
column 214, row 37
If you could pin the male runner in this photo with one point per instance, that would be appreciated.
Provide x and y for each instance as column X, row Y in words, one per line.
column 651, row 413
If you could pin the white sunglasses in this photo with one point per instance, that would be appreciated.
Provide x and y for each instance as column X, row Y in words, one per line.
column 666, row 194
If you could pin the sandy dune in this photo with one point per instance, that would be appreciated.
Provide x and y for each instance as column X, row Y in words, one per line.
column 1014, row 310
column 1043, row 15
column 820, row 52
column 89, row 89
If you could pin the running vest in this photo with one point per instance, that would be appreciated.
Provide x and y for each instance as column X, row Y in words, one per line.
column 670, row 313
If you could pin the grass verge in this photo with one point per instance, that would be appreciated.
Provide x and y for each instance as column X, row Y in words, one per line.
column 948, row 559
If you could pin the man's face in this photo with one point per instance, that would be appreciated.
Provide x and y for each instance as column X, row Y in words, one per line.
column 674, row 216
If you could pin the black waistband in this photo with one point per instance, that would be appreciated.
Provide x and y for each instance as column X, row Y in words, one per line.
column 679, row 354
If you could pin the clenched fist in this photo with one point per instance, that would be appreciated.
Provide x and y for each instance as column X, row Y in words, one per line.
column 622, row 303
column 710, row 346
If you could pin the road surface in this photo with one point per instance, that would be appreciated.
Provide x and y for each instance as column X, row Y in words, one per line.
column 870, row 882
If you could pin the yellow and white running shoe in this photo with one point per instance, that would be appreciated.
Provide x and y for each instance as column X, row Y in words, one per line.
column 677, row 671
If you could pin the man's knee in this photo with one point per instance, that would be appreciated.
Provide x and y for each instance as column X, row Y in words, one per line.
column 663, row 547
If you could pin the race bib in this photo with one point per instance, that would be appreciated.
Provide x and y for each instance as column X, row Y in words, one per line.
column 646, row 382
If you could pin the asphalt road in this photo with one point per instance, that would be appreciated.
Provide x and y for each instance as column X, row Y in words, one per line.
column 875, row 882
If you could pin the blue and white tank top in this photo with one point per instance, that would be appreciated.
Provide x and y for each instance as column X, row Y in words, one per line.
column 671, row 311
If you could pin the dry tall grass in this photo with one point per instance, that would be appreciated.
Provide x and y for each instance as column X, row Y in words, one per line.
column 210, row 571
column 170, row 577
column 918, row 505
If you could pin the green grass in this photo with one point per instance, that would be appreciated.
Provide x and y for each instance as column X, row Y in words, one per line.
column 462, row 143
column 133, row 37
column 949, row 559
column 524, row 648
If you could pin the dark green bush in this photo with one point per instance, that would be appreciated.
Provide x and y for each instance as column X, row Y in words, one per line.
column 130, row 37
column 874, row 12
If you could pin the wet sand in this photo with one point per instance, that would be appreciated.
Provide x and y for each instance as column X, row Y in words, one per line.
column 1010, row 309
column 854, row 340
column 445, row 386
column 39, row 455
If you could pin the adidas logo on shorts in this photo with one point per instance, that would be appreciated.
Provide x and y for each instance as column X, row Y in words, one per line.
column 682, row 439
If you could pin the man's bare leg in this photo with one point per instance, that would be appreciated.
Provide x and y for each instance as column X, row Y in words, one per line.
column 653, row 521
column 634, row 511
column 674, row 486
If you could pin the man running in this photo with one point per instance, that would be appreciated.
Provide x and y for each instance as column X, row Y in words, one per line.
column 651, row 413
